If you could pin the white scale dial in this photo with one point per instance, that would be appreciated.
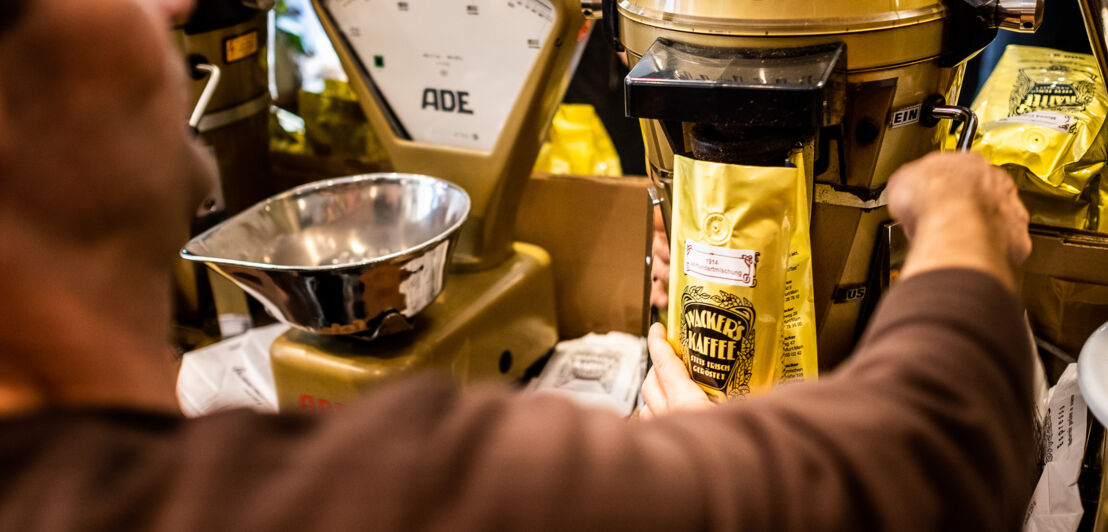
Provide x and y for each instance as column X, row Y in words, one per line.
column 450, row 70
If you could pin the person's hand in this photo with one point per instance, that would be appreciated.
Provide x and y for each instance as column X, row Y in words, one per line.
column 959, row 211
column 667, row 387
column 659, row 265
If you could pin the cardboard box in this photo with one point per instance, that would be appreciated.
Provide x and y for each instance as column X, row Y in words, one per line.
column 1065, row 285
column 598, row 230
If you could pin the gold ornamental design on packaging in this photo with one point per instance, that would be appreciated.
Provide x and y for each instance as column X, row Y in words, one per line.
column 717, row 332
column 731, row 237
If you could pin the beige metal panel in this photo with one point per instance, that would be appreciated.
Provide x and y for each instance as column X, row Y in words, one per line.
column 777, row 17
column 915, row 83
column 840, row 320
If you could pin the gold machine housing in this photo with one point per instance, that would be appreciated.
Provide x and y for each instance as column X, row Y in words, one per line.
column 898, row 56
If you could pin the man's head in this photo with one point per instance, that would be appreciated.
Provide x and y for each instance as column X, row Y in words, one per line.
column 99, row 178
column 93, row 139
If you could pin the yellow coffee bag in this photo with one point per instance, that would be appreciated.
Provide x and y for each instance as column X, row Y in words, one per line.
column 797, row 360
column 731, row 239
column 1042, row 109
column 1042, row 113
column 578, row 144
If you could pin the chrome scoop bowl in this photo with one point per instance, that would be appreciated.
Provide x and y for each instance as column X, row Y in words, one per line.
column 354, row 255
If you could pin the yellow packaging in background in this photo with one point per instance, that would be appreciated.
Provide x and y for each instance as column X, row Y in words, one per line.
column 1041, row 114
column 1055, row 212
column 578, row 144
column 731, row 239
column 798, row 360
column 335, row 124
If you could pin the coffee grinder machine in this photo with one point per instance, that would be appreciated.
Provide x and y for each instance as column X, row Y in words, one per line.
column 463, row 92
column 224, row 43
column 863, row 85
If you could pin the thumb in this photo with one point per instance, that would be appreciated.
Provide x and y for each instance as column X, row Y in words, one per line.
column 670, row 370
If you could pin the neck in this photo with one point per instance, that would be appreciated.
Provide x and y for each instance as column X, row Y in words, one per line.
column 85, row 326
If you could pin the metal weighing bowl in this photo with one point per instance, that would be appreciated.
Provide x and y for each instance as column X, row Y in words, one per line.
column 353, row 255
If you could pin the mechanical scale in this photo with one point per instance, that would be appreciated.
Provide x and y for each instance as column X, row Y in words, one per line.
column 465, row 92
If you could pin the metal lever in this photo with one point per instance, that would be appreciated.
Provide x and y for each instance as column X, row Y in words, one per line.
column 936, row 110
column 214, row 76
column 1022, row 16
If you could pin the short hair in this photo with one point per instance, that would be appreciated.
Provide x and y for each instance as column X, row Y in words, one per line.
column 10, row 13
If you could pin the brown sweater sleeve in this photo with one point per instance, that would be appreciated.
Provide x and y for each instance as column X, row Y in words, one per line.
column 927, row 427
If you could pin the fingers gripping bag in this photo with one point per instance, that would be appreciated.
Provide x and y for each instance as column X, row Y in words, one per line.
column 731, row 244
